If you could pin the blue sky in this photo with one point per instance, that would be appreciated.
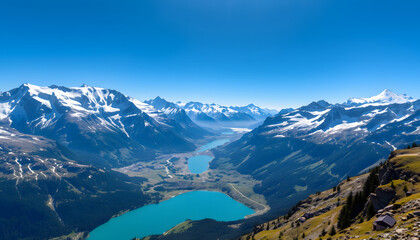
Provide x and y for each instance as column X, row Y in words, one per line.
column 274, row 53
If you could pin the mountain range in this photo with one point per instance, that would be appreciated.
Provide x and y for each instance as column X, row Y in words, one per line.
column 215, row 115
column 315, row 146
column 212, row 113
column 377, row 119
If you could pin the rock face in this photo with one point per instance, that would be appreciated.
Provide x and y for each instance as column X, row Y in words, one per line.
column 381, row 198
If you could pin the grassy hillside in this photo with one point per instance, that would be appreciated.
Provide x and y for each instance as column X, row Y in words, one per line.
column 395, row 183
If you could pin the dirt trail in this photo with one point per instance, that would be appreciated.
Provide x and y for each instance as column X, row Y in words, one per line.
column 257, row 212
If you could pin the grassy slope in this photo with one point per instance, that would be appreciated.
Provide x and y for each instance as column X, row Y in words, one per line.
column 404, row 160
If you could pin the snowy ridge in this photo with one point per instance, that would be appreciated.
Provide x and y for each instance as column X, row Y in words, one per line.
column 384, row 119
column 215, row 112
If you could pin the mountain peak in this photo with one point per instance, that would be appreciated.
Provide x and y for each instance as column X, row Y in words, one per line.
column 251, row 105
column 28, row 86
column 387, row 91
column 386, row 94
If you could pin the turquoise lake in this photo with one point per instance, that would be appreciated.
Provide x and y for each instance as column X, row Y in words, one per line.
column 158, row 218
column 199, row 164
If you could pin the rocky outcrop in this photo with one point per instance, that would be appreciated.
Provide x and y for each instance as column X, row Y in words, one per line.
column 387, row 173
column 381, row 198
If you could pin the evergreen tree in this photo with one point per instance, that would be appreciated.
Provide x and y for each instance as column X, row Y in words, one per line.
column 343, row 218
column 348, row 178
column 370, row 212
column 332, row 232
column 414, row 145
column 349, row 201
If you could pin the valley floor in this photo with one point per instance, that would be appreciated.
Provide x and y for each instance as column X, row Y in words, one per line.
column 169, row 176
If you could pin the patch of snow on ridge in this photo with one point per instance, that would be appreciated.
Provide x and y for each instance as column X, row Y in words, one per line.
column 393, row 147
column 279, row 136
column 344, row 126
column 148, row 109
column 241, row 130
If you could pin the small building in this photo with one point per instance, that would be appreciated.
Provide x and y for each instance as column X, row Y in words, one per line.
column 383, row 222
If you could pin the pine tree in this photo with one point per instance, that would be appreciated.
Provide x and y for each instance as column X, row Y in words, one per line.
column 349, row 201
column 392, row 185
column 343, row 218
column 348, row 178
column 414, row 145
column 332, row 232
column 370, row 212
column 405, row 189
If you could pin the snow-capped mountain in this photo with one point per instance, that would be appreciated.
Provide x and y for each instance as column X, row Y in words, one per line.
column 178, row 114
column 255, row 111
column 91, row 119
column 215, row 113
column 385, row 97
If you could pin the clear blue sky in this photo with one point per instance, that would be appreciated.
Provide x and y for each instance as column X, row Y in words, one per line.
column 274, row 53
